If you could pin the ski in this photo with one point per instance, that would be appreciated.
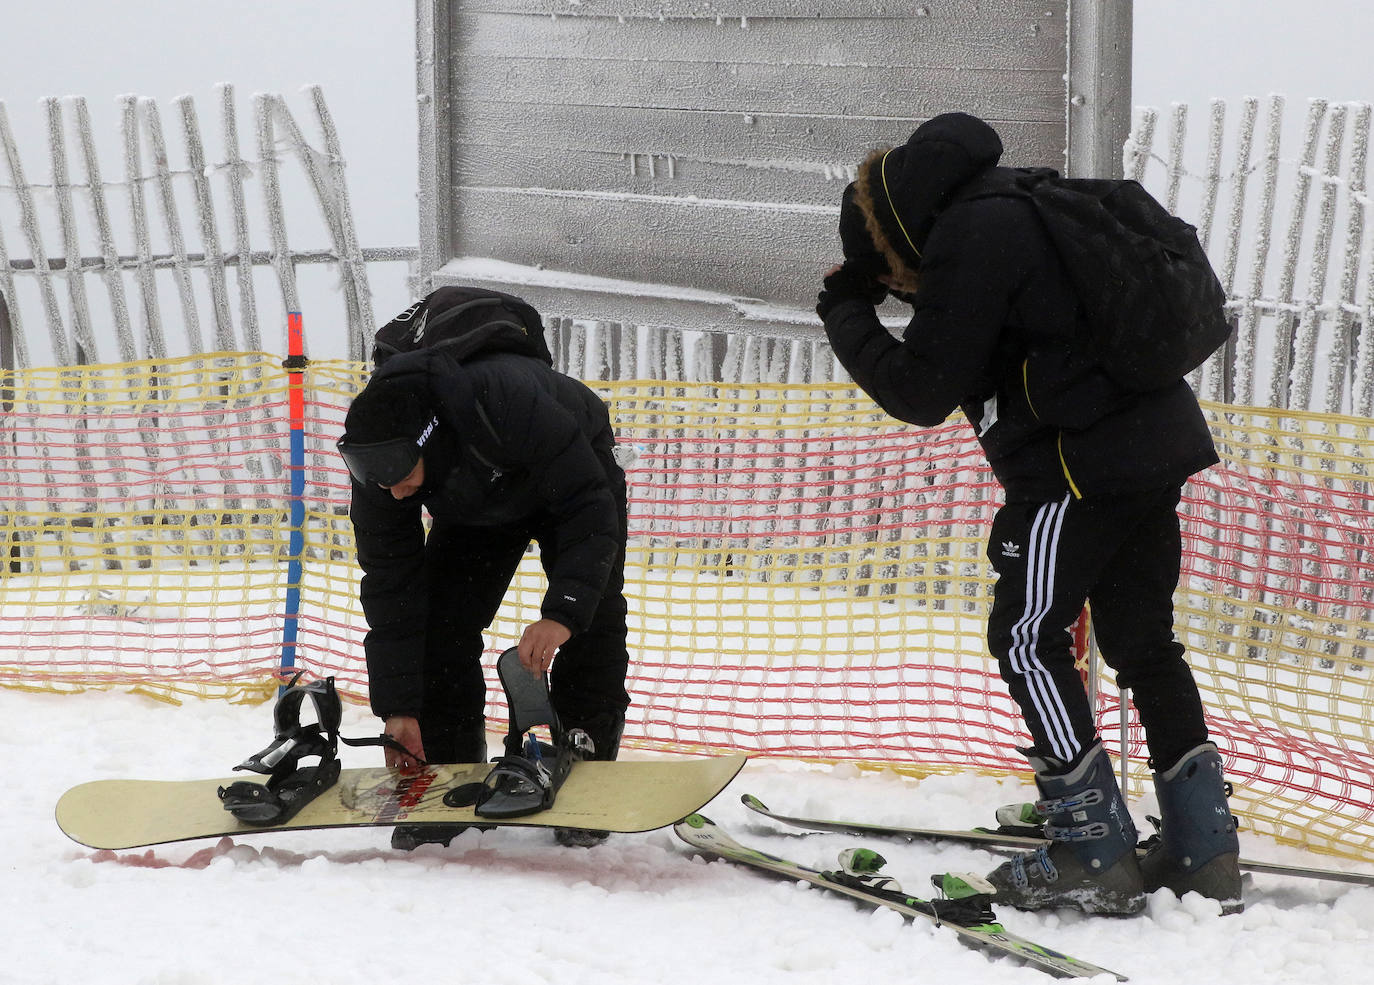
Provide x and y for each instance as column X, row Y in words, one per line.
column 1023, row 840
column 967, row 911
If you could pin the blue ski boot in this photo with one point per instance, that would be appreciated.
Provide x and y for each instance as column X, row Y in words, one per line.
column 1090, row 861
column 1197, row 849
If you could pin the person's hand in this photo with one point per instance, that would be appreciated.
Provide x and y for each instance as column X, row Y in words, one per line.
column 539, row 642
column 850, row 280
column 406, row 731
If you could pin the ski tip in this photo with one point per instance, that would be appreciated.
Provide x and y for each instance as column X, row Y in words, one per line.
column 752, row 802
column 696, row 821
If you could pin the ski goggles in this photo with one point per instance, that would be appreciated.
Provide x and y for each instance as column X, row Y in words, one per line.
column 380, row 463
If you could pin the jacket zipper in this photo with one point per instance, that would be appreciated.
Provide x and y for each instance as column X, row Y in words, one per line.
column 1059, row 435
column 1059, row 443
column 496, row 470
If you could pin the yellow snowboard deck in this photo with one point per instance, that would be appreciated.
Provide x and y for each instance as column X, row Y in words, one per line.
column 635, row 795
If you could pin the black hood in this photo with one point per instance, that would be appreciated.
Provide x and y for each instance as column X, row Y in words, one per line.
column 907, row 187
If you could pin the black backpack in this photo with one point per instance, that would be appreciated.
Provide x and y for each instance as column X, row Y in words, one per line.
column 1154, row 307
column 468, row 321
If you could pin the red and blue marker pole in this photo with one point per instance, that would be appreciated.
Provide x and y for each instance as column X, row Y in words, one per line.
column 295, row 370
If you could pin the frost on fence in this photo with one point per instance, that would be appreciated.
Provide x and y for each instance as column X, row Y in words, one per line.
column 1284, row 210
column 172, row 245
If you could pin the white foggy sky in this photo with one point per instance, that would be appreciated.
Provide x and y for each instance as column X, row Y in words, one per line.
column 360, row 51
column 1191, row 51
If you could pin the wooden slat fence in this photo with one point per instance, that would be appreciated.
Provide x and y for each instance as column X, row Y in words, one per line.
column 174, row 226
column 1284, row 211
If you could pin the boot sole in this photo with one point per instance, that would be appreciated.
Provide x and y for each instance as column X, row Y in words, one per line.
column 1219, row 880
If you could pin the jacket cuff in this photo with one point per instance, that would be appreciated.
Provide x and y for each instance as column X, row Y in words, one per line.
column 575, row 615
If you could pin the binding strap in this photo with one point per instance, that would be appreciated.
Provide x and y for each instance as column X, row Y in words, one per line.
column 289, row 785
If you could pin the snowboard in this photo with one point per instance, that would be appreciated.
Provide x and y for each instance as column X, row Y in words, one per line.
column 624, row 796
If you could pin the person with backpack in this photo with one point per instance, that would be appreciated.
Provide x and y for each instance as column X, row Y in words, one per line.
column 466, row 419
column 1092, row 468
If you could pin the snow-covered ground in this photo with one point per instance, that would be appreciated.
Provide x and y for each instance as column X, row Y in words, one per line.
column 512, row 907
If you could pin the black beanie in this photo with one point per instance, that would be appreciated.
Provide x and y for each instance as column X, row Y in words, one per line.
column 391, row 406
column 910, row 185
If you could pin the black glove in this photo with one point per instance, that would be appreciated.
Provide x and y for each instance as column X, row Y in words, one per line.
column 851, row 281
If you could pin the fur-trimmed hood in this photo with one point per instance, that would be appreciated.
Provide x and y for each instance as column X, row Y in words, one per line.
column 902, row 190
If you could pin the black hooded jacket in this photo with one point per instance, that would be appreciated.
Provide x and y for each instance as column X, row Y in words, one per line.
column 994, row 331
column 518, row 444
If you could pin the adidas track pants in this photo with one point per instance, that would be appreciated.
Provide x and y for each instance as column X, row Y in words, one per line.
column 1121, row 555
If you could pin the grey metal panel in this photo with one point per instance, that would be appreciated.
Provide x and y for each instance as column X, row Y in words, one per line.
column 1003, row 36
column 802, row 90
column 1099, row 104
column 436, row 121
column 659, row 240
column 747, row 10
column 706, row 154
column 704, row 144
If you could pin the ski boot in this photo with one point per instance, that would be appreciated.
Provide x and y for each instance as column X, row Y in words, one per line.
column 1090, row 860
column 1197, row 849
column 602, row 734
column 469, row 746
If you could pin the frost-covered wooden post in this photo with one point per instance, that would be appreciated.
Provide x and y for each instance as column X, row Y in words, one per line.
column 235, row 172
column 1342, row 359
column 109, row 255
column 154, row 340
column 33, row 236
column 209, row 231
column 6, row 347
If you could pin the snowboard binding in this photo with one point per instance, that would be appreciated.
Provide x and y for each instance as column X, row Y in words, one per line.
column 527, row 778
column 289, row 785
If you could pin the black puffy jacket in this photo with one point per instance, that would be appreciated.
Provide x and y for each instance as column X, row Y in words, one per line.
column 518, row 444
column 993, row 332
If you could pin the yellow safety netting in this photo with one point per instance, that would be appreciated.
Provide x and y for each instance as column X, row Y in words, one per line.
column 806, row 576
